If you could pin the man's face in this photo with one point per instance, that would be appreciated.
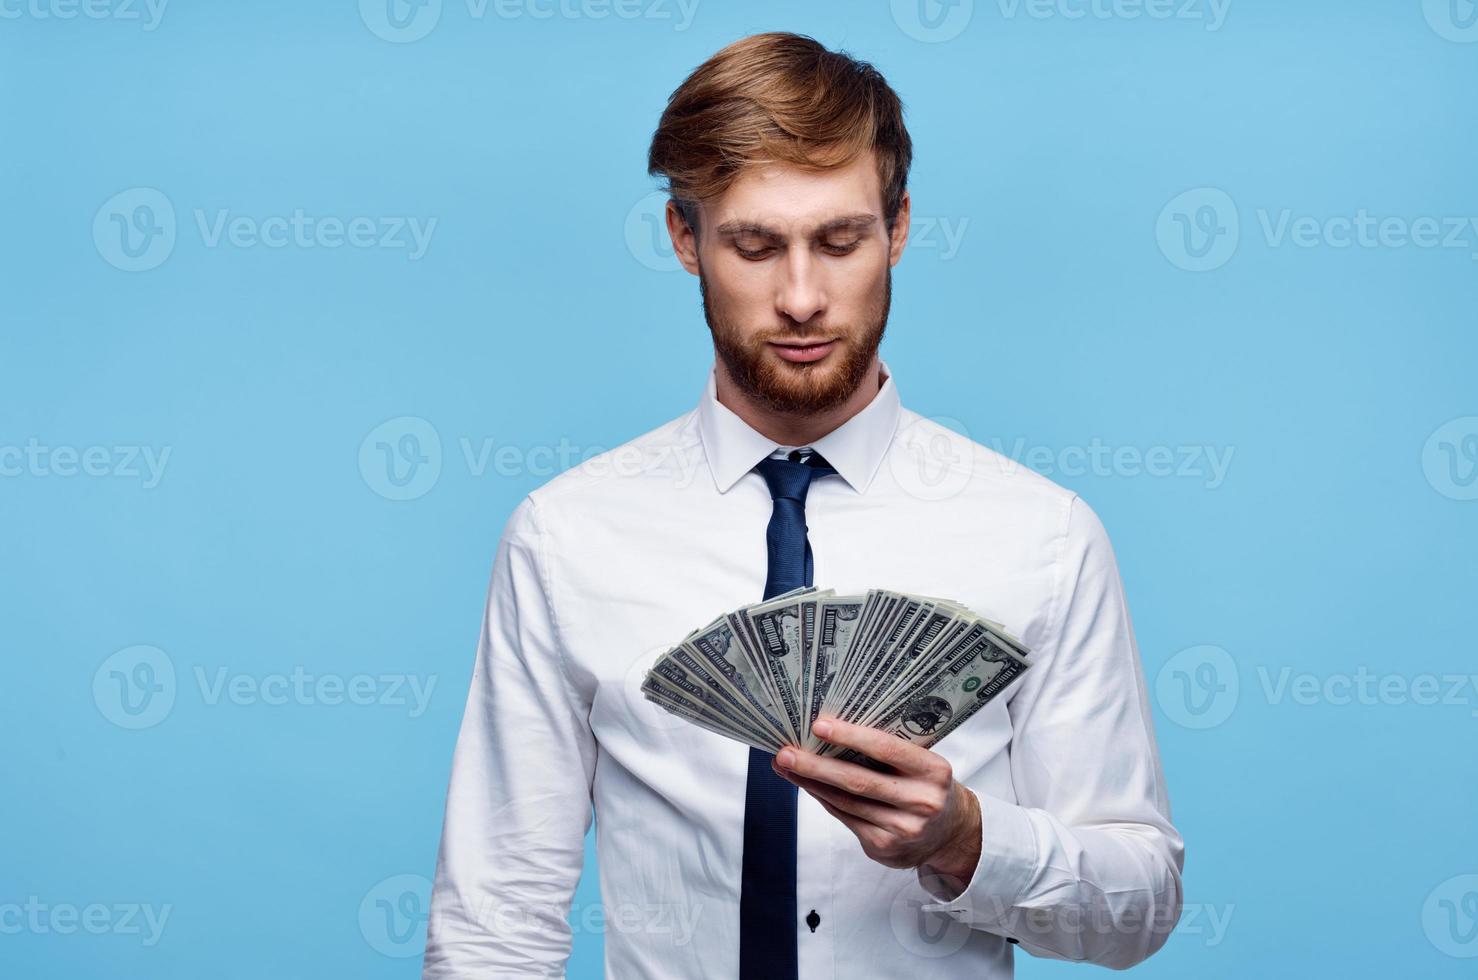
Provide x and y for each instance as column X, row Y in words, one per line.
column 795, row 270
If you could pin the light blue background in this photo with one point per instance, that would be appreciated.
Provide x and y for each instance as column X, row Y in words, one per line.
column 1327, row 838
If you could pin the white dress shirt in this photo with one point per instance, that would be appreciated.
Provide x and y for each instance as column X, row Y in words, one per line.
column 611, row 563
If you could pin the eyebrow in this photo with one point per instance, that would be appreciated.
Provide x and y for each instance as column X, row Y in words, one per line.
column 847, row 222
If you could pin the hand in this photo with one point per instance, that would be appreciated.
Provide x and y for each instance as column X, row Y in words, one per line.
column 918, row 816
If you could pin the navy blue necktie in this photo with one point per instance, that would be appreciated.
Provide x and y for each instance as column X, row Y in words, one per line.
column 768, row 919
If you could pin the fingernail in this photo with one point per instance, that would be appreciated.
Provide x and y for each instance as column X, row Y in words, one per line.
column 785, row 758
column 821, row 727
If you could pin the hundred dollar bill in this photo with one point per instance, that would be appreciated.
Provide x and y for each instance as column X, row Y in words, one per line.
column 733, row 703
column 928, row 626
column 719, row 648
column 914, row 666
column 783, row 629
column 656, row 690
column 939, row 703
column 837, row 621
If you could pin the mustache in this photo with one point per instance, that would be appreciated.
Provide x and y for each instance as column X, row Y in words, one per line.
column 794, row 335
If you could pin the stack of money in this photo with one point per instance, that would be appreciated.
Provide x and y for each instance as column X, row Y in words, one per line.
column 913, row 666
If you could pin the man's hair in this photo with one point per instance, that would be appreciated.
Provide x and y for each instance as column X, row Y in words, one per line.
column 777, row 98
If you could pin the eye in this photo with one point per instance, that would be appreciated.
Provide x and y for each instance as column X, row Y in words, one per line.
column 833, row 248
column 754, row 254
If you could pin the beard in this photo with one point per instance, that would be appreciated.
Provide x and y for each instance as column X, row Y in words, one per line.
column 799, row 389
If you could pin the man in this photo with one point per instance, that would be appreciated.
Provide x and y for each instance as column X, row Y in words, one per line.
column 1042, row 822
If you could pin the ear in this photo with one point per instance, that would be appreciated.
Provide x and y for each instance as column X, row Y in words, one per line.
column 899, row 238
column 684, row 242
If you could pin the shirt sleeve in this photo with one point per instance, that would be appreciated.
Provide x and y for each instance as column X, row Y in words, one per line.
column 1085, row 864
column 519, row 801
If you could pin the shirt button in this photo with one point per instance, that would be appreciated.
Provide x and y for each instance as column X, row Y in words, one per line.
column 813, row 920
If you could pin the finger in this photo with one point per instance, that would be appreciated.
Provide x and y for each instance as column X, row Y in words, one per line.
column 848, row 776
column 865, row 832
column 880, row 815
column 896, row 752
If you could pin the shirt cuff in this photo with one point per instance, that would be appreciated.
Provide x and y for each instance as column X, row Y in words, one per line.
column 1008, row 863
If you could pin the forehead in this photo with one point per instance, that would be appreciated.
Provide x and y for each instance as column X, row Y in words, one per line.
column 790, row 200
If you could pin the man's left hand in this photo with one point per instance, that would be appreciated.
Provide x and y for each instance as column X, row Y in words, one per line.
column 918, row 816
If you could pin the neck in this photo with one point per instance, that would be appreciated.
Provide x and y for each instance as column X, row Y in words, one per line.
column 793, row 429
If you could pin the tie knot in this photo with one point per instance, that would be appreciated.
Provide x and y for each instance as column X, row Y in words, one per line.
column 789, row 479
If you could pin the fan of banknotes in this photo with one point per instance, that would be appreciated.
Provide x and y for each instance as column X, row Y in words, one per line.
column 914, row 666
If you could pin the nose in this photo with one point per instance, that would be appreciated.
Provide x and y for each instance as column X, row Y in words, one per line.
column 800, row 294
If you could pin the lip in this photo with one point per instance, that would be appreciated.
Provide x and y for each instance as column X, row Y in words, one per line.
column 803, row 353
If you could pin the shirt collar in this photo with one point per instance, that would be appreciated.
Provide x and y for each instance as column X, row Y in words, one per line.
column 855, row 448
